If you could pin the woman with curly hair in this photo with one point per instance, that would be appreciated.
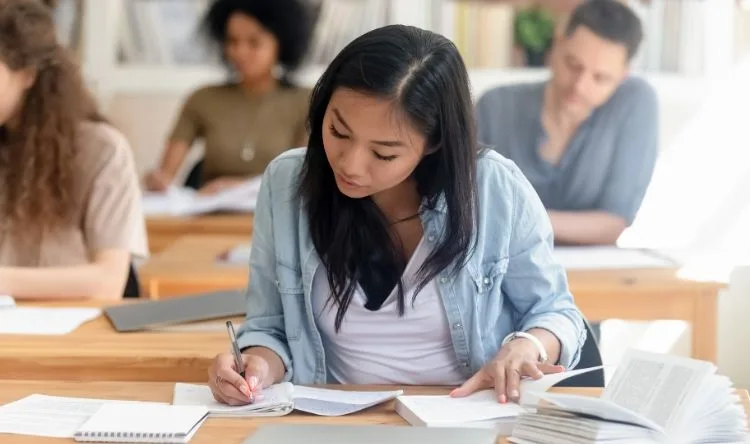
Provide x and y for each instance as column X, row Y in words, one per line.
column 248, row 121
column 70, row 214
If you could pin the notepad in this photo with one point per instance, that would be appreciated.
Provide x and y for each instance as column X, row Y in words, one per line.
column 134, row 423
column 183, row 201
column 281, row 399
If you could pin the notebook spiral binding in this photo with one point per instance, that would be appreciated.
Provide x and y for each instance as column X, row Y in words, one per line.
column 126, row 436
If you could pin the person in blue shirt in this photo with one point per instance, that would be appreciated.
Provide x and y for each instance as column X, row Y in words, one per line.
column 586, row 138
column 391, row 250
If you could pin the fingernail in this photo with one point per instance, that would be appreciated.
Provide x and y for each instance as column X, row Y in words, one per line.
column 514, row 393
column 246, row 391
column 253, row 382
column 259, row 396
column 503, row 399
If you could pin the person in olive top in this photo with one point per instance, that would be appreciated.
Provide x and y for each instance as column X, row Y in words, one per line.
column 259, row 114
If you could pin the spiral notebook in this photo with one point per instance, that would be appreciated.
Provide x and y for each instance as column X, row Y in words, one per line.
column 135, row 423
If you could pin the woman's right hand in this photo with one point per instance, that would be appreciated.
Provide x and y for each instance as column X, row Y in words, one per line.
column 157, row 180
column 228, row 387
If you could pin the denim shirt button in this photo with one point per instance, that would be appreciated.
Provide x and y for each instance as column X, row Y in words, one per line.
column 486, row 281
column 431, row 237
column 457, row 325
column 443, row 280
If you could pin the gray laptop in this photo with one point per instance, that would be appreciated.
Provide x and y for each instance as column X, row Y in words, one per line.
column 200, row 307
column 370, row 434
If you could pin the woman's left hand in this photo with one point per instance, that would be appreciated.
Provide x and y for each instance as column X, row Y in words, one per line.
column 517, row 359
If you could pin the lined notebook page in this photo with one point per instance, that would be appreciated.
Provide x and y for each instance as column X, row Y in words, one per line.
column 142, row 423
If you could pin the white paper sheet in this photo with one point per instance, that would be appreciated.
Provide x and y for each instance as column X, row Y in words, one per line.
column 44, row 321
column 7, row 301
column 183, row 201
column 327, row 402
column 50, row 416
column 600, row 258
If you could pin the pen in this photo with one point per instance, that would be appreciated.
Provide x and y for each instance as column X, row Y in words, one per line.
column 235, row 349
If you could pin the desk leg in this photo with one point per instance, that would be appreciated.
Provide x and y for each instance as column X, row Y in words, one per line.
column 705, row 327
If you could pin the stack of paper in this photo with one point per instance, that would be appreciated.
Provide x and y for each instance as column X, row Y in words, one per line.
column 652, row 398
column 187, row 202
column 44, row 321
column 281, row 399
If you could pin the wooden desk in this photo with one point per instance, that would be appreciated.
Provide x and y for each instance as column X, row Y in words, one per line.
column 223, row 430
column 162, row 231
column 95, row 351
column 629, row 294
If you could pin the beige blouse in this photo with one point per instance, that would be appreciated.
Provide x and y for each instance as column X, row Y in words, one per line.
column 108, row 206
column 242, row 133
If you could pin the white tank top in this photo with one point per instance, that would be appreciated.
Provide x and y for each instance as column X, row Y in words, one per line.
column 379, row 347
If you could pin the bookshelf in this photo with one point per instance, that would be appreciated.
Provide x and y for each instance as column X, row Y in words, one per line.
column 115, row 58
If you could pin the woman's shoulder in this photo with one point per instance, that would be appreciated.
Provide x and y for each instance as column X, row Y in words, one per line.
column 283, row 171
column 100, row 144
column 495, row 169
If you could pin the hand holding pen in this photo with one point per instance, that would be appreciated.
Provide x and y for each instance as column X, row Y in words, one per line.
column 236, row 378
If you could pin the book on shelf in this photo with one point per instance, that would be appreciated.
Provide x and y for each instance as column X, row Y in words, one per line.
column 652, row 398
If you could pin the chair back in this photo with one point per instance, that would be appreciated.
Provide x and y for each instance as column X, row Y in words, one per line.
column 590, row 357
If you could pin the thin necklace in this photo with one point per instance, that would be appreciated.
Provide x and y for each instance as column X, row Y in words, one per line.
column 413, row 216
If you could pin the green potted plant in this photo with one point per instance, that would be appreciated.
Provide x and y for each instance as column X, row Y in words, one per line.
column 533, row 32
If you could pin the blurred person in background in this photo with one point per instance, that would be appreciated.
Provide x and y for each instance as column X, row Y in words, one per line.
column 587, row 138
column 260, row 113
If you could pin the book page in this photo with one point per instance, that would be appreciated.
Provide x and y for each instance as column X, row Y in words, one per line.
column 44, row 321
column 50, row 416
column 659, row 387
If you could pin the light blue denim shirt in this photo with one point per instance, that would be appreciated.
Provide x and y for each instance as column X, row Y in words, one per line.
column 511, row 281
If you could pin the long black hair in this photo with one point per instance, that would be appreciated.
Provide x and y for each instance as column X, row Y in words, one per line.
column 423, row 74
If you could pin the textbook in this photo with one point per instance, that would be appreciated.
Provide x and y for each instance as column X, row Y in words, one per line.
column 652, row 398
column 479, row 410
column 281, row 399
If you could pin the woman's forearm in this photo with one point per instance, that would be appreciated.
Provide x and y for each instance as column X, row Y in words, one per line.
column 173, row 157
column 102, row 279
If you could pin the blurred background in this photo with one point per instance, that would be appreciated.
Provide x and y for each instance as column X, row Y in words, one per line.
column 143, row 57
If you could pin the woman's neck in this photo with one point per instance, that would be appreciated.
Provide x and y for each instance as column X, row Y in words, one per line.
column 256, row 87
column 400, row 202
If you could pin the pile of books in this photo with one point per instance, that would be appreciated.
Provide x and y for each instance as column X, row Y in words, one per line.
column 652, row 398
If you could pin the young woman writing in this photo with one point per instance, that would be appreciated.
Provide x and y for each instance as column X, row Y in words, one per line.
column 70, row 214
column 392, row 250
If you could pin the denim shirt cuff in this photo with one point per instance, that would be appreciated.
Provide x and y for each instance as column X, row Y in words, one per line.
column 255, row 339
column 570, row 336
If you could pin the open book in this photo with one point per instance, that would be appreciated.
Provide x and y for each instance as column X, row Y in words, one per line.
column 479, row 410
column 188, row 202
column 281, row 399
column 652, row 398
